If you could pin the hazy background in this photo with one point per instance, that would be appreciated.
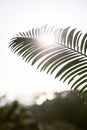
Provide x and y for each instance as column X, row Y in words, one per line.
column 16, row 77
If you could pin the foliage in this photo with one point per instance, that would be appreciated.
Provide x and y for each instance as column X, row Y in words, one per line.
column 67, row 55
column 66, row 111
column 14, row 116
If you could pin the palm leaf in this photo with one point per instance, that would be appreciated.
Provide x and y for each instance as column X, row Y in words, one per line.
column 66, row 55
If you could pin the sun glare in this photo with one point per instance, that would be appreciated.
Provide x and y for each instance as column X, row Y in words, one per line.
column 47, row 39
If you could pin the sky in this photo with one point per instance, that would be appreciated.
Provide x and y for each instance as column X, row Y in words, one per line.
column 18, row 78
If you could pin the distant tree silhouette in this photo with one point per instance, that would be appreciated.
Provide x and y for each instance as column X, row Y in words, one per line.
column 14, row 116
column 68, row 112
column 62, row 113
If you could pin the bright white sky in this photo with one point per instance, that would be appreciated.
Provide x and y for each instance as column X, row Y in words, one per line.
column 17, row 77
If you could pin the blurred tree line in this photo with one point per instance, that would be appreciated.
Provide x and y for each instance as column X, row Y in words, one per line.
column 67, row 111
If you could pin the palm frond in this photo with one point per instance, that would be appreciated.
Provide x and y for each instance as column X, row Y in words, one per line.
column 68, row 52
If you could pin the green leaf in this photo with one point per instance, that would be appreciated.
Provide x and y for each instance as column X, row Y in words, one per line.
column 67, row 55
